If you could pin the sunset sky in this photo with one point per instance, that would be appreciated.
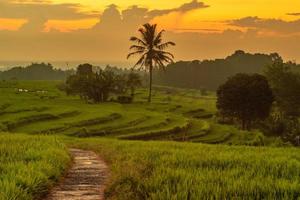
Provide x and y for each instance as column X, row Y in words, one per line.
column 97, row 30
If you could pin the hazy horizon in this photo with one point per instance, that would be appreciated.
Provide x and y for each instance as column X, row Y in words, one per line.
column 72, row 64
column 4, row 65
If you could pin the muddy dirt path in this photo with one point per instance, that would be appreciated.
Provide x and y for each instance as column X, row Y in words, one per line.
column 84, row 181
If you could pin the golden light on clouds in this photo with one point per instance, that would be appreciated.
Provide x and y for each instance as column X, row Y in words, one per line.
column 211, row 18
column 197, row 27
column 69, row 25
column 11, row 24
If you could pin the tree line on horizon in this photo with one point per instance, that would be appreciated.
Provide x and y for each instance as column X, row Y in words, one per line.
column 210, row 74
column 35, row 71
column 206, row 74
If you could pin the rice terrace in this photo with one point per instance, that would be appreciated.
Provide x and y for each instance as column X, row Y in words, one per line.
column 152, row 100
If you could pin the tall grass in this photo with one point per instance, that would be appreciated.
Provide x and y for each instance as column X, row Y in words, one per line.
column 29, row 165
column 168, row 170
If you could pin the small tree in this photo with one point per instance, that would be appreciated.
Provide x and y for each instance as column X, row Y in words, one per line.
column 245, row 98
column 133, row 81
column 95, row 86
column 285, row 84
column 84, row 69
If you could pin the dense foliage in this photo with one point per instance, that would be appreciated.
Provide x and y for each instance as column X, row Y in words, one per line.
column 35, row 71
column 245, row 98
column 97, row 85
column 286, row 86
column 210, row 74
column 284, row 79
column 133, row 81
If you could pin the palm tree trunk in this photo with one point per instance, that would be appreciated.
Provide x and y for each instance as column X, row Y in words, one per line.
column 150, row 83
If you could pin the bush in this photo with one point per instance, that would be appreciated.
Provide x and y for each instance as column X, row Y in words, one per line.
column 125, row 99
column 259, row 140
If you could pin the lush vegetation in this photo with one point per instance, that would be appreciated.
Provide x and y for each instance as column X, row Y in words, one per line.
column 285, row 83
column 245, row 98
column 152, row 170
column 210, row 74
column 29, row 165
column 169, row 170
column 115, row 111
column 286, row 86
column 97, row 85
column 175, row 114
column 35, row 71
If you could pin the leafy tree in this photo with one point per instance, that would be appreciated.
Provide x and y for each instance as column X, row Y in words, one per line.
column 133, row 81
column 245, row 98
column 285, row 84
column 151, row 48
column 84, row 69
column 95, row 86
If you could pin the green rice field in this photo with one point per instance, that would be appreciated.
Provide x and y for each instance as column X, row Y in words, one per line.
column 173, row 148
column 30, row 165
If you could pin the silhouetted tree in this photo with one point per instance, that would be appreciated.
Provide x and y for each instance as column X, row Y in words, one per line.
column 151, row 49
column 285, row 84
column 84, row 69
column 245, row 98
column 96, row 86
column 133, row 81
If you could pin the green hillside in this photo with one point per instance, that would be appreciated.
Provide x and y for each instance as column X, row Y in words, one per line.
column 38, row 107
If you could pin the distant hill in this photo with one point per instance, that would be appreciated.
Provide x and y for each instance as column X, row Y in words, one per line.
column 35, row 71
column 209, row 74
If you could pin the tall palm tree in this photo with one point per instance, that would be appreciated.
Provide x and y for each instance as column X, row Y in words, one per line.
column 150, row 48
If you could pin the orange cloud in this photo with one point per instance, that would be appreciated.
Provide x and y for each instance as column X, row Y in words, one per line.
column 11, row 24
column 183, row 22
column 70, row 25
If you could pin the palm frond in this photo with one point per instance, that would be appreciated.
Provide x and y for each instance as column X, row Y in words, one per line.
column 148, row 32
column 141, row 61
column 165, row 45
column 144, row 36
column 137, row 48
column 138, row 41
column 134, row 53
column 167, row 54
column 158, row 38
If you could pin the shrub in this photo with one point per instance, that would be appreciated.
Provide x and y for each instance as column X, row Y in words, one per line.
column 125, row 99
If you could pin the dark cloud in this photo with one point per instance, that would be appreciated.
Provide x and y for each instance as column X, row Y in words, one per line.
column 196, row 30
column 133, row 13
column 134, row 16
column 38, row 12
column 270, row 25
column 193, row 5
column 294, row 14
